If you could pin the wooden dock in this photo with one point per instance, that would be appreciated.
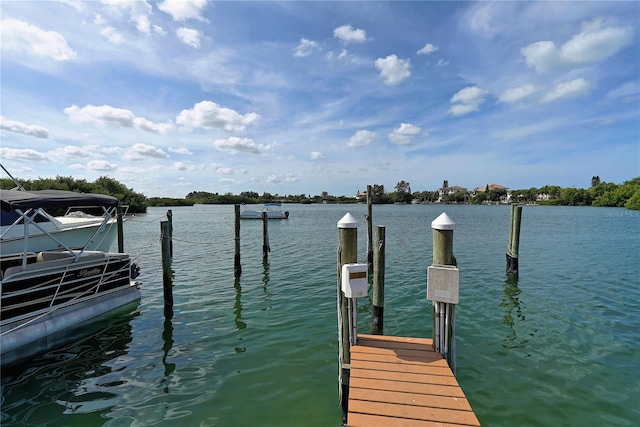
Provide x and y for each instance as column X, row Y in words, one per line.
column 397, row 381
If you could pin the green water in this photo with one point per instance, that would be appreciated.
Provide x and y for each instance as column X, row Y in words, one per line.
column 559, row 347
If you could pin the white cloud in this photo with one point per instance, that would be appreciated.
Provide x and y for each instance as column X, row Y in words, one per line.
column 361, row 138
column 181, row 166
column 427, row 49
column 73, row 151
column 517, row 94
column 316, row 155
column 224, row 171
column 21, row 37
column 148, row 125
column 181, row 10
column 208, row 114
column 22, row 154
column 139, row 152
column 442, row 62
column 305, row 48
column 181, row 150
column 467, row 100
column 106, row 114
column 189, row 37
column 570, row 89
column 404, row 134
column 348, row 34
column 234, row 145
column 101, row 165
column 112, row 35
column 393, row 69
column 273, row 179
column 291, row 178
column 596, row 42
column 18, row 127
column 629, row 89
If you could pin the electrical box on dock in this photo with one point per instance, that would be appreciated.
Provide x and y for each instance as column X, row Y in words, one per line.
column 354, row 280
column 443, row 283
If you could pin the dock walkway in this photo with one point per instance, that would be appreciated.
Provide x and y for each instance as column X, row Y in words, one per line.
column 398, row 381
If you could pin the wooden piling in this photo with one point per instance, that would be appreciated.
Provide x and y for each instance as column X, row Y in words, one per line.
column 377, row 311
column 444, row 313
column 237, row 268
column 265, row 238
column 369, row 219
column 347, row 254
column 170, row 219
column 514, row 240
column 120, row 230
column 167, row 279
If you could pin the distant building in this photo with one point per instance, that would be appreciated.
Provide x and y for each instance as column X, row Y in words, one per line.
column 504, row 199
column 445, row 190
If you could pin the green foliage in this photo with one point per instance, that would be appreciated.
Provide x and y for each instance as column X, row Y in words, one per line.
column 104, row 185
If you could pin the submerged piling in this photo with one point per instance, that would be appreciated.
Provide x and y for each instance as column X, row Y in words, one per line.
column 513, row 247
column 377, row 311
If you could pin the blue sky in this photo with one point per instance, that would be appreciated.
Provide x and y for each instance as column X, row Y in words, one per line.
column 300, row 97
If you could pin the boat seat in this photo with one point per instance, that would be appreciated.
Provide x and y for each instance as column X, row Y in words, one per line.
column 52, row 259
column 52, row 255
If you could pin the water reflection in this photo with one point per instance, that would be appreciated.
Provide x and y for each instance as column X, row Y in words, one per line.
column 167, row 339
column 237, row 311
column 80, row 377
column 513, row 315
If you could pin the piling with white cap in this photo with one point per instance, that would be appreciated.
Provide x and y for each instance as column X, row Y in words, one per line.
column 443, row 227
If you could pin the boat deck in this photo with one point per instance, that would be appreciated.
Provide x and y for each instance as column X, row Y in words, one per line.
column 398, row 381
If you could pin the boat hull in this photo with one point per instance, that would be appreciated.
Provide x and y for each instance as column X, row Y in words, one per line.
column 58, row 292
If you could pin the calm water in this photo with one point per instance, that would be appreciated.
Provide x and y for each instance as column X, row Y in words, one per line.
column 559, row 347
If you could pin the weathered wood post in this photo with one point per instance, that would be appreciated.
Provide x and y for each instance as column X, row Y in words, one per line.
column 120, row 230
column 265, row 238
column 347, row 254
column 166, row 265
column 237, row 268
column 377, row 311
column 170, row 219
column 442, row 288
column 369, row 219
column 514, row 240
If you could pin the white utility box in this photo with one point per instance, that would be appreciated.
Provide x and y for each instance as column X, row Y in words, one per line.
column 443, row 283
column 354, row 280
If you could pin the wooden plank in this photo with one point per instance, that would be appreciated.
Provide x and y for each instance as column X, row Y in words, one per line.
column 441, row 390
column 420, row 378
column 396, row 367
column 416, row 399
column 367, row 420
column 398, row 381
column 414, row 412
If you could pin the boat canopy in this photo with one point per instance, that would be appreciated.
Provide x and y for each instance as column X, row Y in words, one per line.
column 12, row 200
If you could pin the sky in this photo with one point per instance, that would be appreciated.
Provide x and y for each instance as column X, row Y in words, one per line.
column 299, row 97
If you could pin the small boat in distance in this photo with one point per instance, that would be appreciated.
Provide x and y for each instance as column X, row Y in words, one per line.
column 273, row 210
column 46, row 292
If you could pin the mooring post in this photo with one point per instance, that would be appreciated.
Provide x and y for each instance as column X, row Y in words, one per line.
column 377, row 311
column 237, row 268
column 514, row 240
column 347, row 254
column 170, row 219
column 120, row 230
column 265, row 238
column 442, row 288
column 369, row 229
column 166, row 264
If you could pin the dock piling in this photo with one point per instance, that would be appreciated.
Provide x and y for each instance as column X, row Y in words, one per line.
column 167, row 279
column 347, row 254
column 377, row 311
column 265, row 238
column 120, row 230
column 514, row 240
column 369, row 230
column 237, row 268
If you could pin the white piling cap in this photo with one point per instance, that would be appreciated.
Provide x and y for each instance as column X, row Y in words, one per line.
column 443, row 222
column 348, row 221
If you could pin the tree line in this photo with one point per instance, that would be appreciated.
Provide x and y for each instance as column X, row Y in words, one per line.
column 600, row 193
